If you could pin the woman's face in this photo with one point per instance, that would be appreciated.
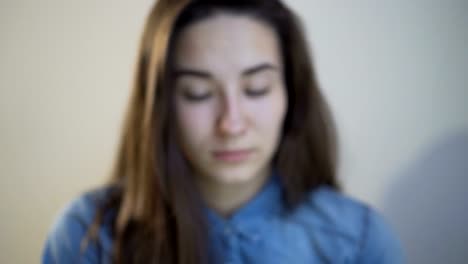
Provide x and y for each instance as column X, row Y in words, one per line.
column 230, row 97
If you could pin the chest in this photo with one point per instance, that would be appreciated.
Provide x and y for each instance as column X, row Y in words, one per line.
column 278, row 242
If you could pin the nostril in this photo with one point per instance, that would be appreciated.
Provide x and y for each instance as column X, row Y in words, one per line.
column 232, row 124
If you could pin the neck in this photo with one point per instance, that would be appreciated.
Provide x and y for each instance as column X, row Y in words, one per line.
column 225, row 199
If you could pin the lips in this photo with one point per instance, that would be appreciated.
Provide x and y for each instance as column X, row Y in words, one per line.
column 232, row 156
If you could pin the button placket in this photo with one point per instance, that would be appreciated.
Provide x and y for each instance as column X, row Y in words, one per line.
column 230, row 237
column 227, row 230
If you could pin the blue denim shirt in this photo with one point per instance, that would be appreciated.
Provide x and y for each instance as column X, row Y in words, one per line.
column 327, row 227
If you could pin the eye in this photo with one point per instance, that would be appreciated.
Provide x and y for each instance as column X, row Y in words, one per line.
column 257, row 92
column 196, row 96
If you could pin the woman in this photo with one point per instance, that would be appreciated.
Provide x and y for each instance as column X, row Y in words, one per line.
column 227, row 153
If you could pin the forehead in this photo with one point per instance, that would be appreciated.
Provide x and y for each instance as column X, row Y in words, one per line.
column 226, row 44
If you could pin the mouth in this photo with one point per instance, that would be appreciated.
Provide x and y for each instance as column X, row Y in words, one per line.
column 232, row 156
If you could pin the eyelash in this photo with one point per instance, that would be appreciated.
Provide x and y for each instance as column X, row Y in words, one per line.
column 196, row 97
column 253, row 93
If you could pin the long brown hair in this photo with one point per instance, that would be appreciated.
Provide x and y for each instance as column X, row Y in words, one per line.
column 157, row 208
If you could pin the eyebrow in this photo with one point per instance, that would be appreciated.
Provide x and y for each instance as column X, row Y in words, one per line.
column 259, row 68
column 206, row 75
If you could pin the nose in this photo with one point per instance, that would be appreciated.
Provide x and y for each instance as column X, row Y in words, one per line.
column 232, row 121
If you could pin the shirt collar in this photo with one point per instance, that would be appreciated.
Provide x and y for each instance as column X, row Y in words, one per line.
column 267, row 202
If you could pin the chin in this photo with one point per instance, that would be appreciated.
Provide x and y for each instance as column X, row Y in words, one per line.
column 234, row 176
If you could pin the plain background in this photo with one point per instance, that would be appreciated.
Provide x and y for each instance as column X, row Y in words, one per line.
column 394, row 72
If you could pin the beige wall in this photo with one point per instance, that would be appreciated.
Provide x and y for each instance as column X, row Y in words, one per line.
column 395, row 74
column 65, row 73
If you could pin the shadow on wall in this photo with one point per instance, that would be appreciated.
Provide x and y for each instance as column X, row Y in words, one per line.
column 428, row 205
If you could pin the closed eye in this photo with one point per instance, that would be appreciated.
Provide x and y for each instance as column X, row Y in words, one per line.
column 257, row 92
column 196, row 97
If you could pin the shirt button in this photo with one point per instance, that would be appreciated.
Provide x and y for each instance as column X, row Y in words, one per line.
column 227, row 231
column 255, row 237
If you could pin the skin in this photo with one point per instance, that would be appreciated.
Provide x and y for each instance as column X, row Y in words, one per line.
column 230, row 103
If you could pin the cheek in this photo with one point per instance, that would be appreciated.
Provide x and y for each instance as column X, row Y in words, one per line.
column 194, row 122
column 269, row 114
